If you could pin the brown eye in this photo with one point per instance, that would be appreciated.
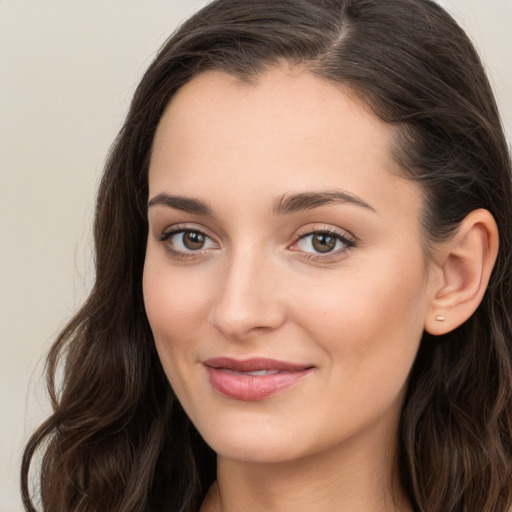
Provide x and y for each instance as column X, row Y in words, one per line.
column 193, row 240
column 323, row 242
column 182, row 243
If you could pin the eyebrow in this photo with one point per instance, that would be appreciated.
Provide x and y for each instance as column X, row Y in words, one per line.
column 185, row 204
column 292, row 203
column 283, row 205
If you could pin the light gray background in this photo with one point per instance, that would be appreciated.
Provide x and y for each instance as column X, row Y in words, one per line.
column 67, row 72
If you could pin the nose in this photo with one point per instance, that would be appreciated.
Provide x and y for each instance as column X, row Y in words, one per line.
column 248, row 298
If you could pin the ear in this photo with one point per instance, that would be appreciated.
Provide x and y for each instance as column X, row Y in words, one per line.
column 462, row 268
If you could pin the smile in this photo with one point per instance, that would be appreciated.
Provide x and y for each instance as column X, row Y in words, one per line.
column 253, row 379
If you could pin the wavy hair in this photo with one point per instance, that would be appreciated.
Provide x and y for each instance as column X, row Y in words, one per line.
column 118, row 439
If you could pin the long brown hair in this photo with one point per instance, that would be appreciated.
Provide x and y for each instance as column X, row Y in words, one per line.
column 118, row 439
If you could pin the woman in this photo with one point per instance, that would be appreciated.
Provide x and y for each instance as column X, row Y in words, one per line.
column 303, row 288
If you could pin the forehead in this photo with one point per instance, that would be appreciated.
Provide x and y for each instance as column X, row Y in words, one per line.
column 287, row 130
column 287, row 102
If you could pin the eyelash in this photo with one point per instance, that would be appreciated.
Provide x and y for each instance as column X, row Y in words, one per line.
column 165, row 237
column 348, row 243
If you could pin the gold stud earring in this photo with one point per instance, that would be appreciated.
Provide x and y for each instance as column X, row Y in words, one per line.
column 440, row 318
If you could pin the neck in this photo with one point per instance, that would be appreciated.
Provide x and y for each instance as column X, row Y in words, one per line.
column 342, row 478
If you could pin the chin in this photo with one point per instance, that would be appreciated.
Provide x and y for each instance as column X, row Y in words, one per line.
column 254, row 443
column 254, row 451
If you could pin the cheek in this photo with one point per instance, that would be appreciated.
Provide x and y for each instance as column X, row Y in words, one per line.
column 368, row 318
column 175, row 306
column 173, row 300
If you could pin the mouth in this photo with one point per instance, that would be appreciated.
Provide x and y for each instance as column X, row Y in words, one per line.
column 253, row 379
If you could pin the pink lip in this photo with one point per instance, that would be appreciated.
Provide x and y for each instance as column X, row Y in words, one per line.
column 231, row 378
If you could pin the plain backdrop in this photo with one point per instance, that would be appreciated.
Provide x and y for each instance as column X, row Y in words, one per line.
column 67, row 72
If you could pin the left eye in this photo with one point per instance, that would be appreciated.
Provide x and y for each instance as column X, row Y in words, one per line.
column 322, row 242
column 189, row 241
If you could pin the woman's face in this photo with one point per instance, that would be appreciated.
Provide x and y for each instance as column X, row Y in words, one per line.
column 285, row 281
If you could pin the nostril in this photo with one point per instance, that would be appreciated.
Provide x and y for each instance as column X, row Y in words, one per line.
column 237, row 323
column 247, row 300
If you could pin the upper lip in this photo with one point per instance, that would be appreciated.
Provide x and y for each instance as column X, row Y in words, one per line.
column 254, row 364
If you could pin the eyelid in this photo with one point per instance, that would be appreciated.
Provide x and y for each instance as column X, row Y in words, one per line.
column 326, row 228
column 349, row 241
column 179, row 228
column 175, row 229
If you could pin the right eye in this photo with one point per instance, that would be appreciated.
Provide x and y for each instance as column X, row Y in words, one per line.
column 186, row 241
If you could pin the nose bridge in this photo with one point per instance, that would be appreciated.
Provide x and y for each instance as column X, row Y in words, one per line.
column 247, row 297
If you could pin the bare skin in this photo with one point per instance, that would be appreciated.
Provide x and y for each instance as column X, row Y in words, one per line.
column 279, row 229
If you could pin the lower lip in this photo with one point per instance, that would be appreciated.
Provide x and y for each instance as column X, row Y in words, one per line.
column 253, row 387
